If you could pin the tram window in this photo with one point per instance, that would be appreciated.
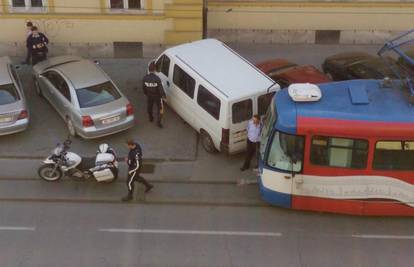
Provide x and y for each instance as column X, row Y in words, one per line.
column 263, row 102
column 394, row 155
column 285, row 150
column 339, row 152
column 268, row 123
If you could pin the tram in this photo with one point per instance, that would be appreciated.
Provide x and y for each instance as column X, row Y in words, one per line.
column 343, row 147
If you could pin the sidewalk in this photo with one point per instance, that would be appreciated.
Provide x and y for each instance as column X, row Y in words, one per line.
column 215, row 169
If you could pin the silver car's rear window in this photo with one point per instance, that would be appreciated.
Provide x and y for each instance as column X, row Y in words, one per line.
column 97, row 95
column 8, row 94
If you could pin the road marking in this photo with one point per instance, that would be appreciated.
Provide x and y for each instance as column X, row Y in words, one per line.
column 385, row 236
column 190, row 232
column 14, row 228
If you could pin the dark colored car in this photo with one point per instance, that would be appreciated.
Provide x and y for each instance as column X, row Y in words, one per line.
column 285, row 72
column 358, row 65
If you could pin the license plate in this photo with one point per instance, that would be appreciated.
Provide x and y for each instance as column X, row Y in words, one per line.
column 110, row 120
column 5, row 119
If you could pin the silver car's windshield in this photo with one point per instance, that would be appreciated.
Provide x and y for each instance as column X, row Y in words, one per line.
column 97, row 95
column 8, row 94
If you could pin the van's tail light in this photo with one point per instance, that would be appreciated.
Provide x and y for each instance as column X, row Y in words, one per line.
column 87, row 121
column 23, row 115
column 129, row 110
column 225, row 136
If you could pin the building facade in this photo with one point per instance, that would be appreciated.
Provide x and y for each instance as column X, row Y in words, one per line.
column 107, row 28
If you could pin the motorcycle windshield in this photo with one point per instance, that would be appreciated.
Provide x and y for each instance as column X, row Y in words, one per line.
column 57, row 150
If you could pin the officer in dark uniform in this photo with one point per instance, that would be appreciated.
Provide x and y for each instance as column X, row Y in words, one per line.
column 155, row 93
column 134, row 162
column 37, row 45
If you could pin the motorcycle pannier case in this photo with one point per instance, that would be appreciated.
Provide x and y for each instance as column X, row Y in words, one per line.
column 103, row 175
column 104, row 158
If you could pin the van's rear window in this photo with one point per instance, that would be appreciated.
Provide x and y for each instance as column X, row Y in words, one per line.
column 242, row 111
column 8, row 94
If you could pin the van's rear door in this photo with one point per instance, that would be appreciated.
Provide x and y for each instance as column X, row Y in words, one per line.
column 241, row 113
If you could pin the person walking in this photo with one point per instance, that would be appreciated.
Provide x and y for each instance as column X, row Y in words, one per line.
column 29, row 26
column 134, row 162
column 37, row 46
column 155, row 93
column 254, row 129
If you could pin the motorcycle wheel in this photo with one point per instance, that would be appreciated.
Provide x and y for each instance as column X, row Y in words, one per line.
column 49, row 173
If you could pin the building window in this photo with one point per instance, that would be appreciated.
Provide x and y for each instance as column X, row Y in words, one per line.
column 208, row 102
column 28, row 5
column 184, row 81
column 394, row 155
column 339, row 152
column 125, row 4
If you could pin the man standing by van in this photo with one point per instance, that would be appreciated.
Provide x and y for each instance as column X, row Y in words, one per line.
column 155, row 94
column 254, row 129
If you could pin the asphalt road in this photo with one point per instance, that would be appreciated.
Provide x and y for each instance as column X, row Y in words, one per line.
column 50, row 235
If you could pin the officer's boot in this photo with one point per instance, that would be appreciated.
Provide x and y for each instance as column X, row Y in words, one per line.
column 127, row 197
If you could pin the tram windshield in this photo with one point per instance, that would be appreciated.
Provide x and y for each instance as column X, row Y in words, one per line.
column 286, row 152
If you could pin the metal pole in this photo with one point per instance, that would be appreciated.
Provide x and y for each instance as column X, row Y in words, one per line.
column 205, row 15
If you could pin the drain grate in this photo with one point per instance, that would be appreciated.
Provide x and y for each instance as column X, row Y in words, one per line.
column 327, row 36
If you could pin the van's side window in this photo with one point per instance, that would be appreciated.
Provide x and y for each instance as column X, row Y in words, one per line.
column 184, row 81
column 163, row 65
column 242, row 111
column 208, row 102
column 394, row 155
column 263, row 102
column 339, row 152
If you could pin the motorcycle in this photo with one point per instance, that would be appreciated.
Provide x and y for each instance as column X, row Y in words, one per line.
column 62, row 162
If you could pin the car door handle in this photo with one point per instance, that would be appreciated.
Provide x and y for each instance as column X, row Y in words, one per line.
column 168, row 83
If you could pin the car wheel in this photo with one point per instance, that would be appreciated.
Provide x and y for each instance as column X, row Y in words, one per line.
column 71, row 127
column 207, row 142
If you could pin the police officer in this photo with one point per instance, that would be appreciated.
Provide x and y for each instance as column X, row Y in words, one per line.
column 134, row 162
column 37, row 45
column 155, row 94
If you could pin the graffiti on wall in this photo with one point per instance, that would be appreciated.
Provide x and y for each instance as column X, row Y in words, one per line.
column 52, row 27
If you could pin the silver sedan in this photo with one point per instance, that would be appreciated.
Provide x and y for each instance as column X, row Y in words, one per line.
column 14, row 116
column 84, row 96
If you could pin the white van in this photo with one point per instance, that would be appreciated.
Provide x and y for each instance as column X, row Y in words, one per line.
column 214, row 90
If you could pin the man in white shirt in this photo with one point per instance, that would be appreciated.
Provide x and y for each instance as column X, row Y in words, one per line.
column 254, row 129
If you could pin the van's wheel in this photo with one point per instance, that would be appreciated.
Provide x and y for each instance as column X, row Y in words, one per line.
column 207, row 142
column 71, row 127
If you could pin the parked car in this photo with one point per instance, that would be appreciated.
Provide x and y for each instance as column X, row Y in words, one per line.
column 216, row 93
column 358, row 65
column 14, row 116
column 84, row 96
column 285, row 72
